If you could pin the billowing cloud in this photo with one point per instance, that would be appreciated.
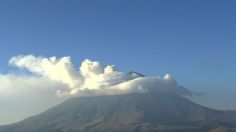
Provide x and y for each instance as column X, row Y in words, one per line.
column 55, row 69
column 53, row 80
column 92, row 78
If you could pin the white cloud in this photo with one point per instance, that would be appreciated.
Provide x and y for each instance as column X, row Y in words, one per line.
column 56, row 69
column 33, row 93
column 92, row 77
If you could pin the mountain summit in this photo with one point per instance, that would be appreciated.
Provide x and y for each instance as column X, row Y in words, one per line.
column 131, row 112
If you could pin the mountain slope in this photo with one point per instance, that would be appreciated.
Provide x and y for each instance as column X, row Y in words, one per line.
column 133, row 112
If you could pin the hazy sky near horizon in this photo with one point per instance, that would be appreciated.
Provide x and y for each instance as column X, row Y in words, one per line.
column 193, row 40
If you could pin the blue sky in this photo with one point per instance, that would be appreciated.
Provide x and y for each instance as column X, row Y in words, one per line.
column 193, row 40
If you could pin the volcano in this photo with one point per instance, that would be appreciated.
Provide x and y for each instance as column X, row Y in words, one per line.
column 131, row 112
